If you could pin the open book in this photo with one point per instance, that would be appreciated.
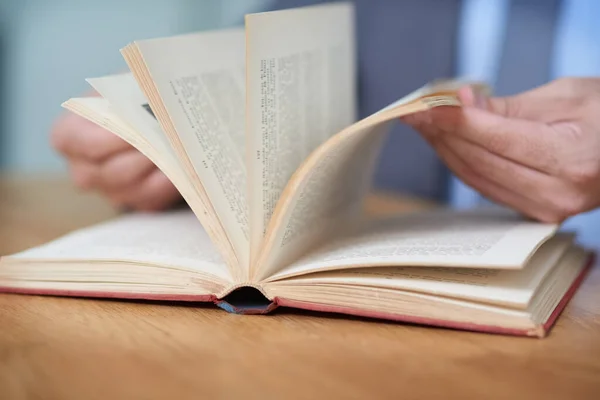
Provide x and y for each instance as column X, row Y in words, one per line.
column 257, row 129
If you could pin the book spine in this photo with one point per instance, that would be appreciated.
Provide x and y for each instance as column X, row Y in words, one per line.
column 248, row 309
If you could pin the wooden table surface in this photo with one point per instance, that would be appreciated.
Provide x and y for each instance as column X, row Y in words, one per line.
column 59, row 348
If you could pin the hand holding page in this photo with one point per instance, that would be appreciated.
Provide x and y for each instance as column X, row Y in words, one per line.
column 256, row 128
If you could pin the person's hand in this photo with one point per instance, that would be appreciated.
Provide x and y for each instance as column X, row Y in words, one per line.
column 101, row 161
column 537, row 152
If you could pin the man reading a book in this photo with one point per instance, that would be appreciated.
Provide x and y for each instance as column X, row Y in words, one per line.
column 535, row 147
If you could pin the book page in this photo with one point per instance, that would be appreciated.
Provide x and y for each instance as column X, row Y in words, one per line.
column 99, row 111
column 301, row 91
column 493, row 305
column 174, row 239
column 152, row 144
column 128, row 101
column 127, row 109
column 511, row 288
column 486, row 238
column 128, row 105
column 195, row 85
column 325, row 195
column 329, row 201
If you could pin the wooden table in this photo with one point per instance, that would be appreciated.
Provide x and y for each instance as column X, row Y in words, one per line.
column 58, row 348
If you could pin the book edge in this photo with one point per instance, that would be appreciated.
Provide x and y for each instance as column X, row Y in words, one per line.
column 539, row 331
column 545, row 328
column 84, row 294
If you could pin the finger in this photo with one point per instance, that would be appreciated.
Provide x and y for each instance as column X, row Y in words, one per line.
column 533, row 144
column 124, row 169
column 535, row 108
column 79, row 138
column 153, row 193
column 418, row 120
column 529, row 182
column 554, row 196
column 555, row 101
column 421, row 122
column 85, row 175
column 491, row 190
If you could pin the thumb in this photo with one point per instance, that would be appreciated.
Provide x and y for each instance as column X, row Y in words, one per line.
column 544, row 104
column 531, row 143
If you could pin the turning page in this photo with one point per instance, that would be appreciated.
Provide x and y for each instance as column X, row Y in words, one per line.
column 124, row 111
column 100, row 111
column 301, row 90
column 325, row 195
column 128, row 101
column 195, row 85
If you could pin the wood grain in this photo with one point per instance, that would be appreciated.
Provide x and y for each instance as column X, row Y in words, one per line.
column 57, row 348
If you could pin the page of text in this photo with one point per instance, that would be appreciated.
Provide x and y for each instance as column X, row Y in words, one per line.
column 503, row 287
column 301, row 91
column 324, row 197
column 124, row 111
column 175, row 239
column 128, row 101
column 494, row 238
column 200, row 80
column 99, row 111
column 327, row 200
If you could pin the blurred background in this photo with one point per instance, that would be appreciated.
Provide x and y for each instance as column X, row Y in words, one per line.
column 48, row 48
